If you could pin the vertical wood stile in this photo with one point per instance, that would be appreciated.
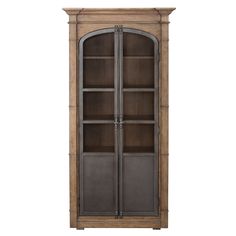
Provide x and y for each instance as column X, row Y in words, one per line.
column 164, row 120
column 73, row 146
column 156, row 126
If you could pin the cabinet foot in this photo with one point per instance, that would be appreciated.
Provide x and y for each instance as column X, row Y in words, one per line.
column 80, row 228
column 156, row 228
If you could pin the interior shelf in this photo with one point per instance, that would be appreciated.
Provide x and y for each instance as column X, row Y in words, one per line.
column 99, row 117
column 98, row 121
column 136, row 121
column 99, row 149
column 137, row 149
column 138, row 57
column 98, row 57
column 138, row 90
column 138, row 117
column 98, row 90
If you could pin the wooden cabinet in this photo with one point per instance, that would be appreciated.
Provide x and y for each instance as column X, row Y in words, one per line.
column 119, row 117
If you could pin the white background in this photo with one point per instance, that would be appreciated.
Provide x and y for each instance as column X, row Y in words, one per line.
column 34, row 194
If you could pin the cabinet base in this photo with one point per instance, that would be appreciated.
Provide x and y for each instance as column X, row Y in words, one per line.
column 124, row 222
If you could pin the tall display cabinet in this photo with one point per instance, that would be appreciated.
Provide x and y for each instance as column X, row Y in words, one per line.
column 118, row 117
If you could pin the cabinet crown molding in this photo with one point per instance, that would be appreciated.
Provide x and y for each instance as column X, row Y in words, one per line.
column 118, row 15
column 118, row 11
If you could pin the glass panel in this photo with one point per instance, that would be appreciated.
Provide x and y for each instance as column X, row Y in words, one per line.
column 138, row 61
column 98, row 73
column 137, row 45
column 138, row 105
column 99, row 45
column 99, row 138
column 98, row 179
column 98, row 63
column 138, row 138
column 138, row 73
column 98, row 106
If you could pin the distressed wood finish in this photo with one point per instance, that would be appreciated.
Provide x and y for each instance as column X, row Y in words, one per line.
column 125, row 222
column 73, row 120
column 154, row 21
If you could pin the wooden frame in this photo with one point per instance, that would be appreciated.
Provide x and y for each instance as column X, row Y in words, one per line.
column 153, row 21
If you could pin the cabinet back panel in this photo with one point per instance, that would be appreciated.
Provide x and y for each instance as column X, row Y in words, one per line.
column 138, row 106
column 98, row 73
column 138, row 73
column 98, row 105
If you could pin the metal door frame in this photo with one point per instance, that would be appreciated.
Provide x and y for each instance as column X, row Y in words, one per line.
column 118, row 116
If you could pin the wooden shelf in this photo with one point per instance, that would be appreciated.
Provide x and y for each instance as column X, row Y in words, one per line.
column 133, row 149
column 137, row 154
column 99, row 149
column 98, row 57
column 138, row 117
column 138, row 57
column 138, row 90
column 98, row 89
column 139, row 122
column 98, row 121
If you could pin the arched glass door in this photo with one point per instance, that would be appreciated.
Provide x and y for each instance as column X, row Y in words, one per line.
column 118, row 100
column 138, row 114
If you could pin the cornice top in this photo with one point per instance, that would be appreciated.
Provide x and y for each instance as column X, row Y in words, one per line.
column 118, row 11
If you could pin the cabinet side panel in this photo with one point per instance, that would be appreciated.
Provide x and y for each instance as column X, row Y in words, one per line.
column 73, row 120
column 164, row 104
